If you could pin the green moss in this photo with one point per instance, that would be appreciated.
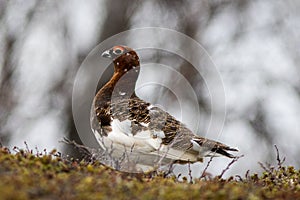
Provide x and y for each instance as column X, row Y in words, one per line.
column 24, row 175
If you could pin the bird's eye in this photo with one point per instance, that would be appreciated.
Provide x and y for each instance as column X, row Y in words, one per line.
column 118, row 51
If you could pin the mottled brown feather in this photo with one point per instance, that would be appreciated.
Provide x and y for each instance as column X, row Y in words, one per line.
column 109, row 104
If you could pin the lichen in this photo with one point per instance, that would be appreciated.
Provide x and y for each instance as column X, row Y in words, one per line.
column 25, row 175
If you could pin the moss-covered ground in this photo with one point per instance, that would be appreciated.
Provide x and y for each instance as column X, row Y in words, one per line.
column 24, row 175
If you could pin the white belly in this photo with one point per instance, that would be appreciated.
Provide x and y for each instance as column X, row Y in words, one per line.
column 141, row 147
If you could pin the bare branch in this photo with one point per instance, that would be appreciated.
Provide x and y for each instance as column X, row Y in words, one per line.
column 190, row 173
column 239, row 177
column 264, row 167
column 206, row 167
column 279, row 161
column 27, row 147
column 247, row 174
column 228, row 166
column 170, row 170
column 80, row 147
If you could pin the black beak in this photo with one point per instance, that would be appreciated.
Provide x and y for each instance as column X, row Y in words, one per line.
column 106, row 54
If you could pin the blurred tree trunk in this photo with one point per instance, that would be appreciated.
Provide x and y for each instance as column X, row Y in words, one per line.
column 117, row 20
column 6, row 88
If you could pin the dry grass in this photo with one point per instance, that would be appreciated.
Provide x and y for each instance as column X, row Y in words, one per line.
column 47, row 175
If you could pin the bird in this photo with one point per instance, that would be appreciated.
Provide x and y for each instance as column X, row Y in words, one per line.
column 124, row 124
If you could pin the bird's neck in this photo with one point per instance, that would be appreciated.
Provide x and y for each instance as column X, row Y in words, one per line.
column 121, row 86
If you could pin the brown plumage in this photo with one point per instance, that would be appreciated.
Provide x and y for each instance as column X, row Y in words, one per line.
column 118, row 113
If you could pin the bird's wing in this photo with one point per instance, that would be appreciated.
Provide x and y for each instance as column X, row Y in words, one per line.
column 140, row 120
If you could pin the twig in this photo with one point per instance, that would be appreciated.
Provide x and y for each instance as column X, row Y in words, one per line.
column 206, row 167
column 83, row 149
column 279, row 162
column 170, row 170
column 247, row 174
column 166, row 153
column 264, row 167
column 228, row 166
column 190, row 172
column 16, row 149
column 178, row 176
column 239, row 177
column 38, row 152
column 27, row 148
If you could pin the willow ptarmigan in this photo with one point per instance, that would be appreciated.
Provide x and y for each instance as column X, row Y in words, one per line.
column 125, row 124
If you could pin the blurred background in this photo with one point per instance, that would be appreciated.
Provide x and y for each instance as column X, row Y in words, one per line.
column 255, row 45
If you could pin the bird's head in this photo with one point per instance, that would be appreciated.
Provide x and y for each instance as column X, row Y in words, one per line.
column 124, row 58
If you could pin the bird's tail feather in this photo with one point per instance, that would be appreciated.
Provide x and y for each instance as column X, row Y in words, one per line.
column 214, row 148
